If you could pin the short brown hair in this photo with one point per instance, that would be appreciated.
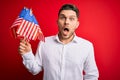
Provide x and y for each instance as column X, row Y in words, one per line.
column 69, row 7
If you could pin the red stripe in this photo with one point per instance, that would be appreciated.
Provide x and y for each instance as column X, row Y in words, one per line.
column 35, row 33
column 20, row 27
column 27, row 29
column 32, row 32
column 23, row 28
column 17, row 22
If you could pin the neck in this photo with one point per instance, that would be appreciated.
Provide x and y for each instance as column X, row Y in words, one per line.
column 66, row 40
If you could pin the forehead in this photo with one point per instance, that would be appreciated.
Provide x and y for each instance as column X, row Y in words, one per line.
column 68, row 13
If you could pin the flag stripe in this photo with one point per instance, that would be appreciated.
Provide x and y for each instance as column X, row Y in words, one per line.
column 29, row 31
column 19, row 28
column 34, row 28
column 17, row 22
column 23, row 28
column 35, row 37
column 35, row 33
column 26, row 25
column 26, row 29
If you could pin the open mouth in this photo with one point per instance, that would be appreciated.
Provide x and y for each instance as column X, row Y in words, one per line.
column 66, row 29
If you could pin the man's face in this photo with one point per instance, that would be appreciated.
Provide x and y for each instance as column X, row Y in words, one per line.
column 67, row 23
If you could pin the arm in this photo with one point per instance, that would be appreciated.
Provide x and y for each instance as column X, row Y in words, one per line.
column 90, row 68
column 31, row 62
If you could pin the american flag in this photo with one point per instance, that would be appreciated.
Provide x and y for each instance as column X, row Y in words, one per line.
column 27, row 26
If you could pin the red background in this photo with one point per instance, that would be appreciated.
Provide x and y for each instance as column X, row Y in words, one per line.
column 99, row 23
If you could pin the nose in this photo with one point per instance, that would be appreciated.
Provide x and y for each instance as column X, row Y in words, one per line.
column 67, row 21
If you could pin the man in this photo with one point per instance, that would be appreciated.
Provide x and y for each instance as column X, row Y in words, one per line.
column 64, row 56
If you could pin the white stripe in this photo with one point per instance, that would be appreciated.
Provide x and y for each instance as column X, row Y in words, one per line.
column 27, row 27
column 16, row 23
column 24, row 26
column 18, row 19
column 35, row 33
column 34, row 28
column 18, row 31
column 29, row 30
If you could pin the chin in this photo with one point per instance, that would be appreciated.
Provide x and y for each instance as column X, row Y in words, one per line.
column 65, row 37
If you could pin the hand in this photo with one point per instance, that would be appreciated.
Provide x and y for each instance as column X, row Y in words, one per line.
column 24, row 46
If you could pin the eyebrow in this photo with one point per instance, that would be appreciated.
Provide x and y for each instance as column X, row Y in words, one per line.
column 70, row 15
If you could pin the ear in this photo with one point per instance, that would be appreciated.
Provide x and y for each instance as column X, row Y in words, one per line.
column 78, row 23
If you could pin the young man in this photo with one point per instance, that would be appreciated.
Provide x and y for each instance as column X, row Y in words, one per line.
column 64, row 56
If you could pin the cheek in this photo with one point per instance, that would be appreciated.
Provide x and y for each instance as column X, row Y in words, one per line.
column 59, row 23
column 59, row 27
column 72, row 30
column 74, row 26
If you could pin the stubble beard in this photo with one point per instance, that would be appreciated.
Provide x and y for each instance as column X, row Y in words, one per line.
column 65, row 37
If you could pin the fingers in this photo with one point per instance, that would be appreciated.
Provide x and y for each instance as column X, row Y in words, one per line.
column 24, row 46
column 21, row 51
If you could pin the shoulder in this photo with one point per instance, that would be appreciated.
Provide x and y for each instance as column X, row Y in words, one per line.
column 83, row 41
